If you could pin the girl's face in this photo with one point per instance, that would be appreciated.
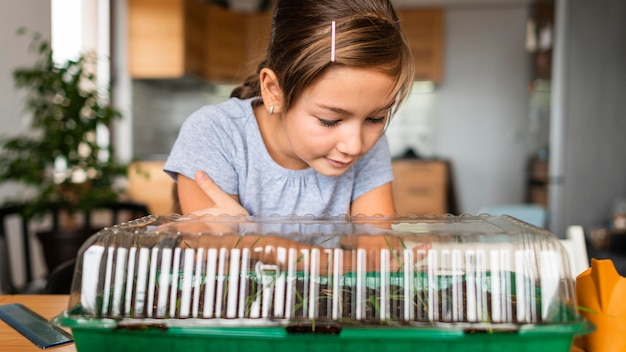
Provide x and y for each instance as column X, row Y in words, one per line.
column 339, row 118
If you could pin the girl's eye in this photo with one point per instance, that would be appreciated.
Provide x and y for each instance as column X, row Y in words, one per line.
column 376, row 120
column 328, row 123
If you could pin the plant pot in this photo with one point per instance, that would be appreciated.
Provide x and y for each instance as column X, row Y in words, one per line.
column 62, row 245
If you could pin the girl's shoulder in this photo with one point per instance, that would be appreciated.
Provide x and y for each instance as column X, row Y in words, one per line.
column 231, row 115
column 231, row 110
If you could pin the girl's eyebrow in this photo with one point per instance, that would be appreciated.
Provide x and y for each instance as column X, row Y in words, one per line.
column 349, row 113
column 335, row 109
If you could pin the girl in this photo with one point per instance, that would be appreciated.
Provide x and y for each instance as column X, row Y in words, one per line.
column 305, row 134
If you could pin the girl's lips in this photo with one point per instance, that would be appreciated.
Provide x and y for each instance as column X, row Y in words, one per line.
column 338, row 164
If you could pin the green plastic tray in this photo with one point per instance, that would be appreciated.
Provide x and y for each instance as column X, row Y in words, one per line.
column 108, row 337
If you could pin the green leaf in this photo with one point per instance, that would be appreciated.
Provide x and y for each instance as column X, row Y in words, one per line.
column 65, row 109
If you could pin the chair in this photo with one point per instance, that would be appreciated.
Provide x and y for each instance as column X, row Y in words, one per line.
column 14, row 226
column 533, row 214
column 59, row 280
column 11, row 219
column 576, row 248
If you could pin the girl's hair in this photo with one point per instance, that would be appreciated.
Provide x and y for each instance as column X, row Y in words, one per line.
column 367, row 35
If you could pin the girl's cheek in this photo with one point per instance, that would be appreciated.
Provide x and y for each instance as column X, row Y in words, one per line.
column 371, row 137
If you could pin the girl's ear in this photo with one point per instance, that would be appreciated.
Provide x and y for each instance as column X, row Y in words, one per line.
column 271, row 92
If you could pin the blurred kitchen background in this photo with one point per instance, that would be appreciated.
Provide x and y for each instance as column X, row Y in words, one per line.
column 515, row 88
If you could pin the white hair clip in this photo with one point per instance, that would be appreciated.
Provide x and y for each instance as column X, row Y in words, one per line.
column 332, row 42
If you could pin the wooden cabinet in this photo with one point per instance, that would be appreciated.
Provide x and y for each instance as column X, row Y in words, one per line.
column 149, row 185
column 174, row 38
column 423, row 187
column 424, row 31
column 156, row 38
column 236, row 43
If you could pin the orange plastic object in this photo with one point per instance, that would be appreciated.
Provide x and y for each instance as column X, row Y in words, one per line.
column 600, row 291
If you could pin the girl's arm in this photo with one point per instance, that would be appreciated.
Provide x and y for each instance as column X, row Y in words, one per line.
column 378, row 201
column 203, row 196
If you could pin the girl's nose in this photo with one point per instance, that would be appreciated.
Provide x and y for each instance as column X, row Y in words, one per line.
column 351, row 142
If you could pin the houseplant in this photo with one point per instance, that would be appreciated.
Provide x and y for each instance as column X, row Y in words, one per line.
column 59, row 163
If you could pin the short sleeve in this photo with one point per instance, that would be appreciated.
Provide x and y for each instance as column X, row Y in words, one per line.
column 206, row 141
column 373, row 170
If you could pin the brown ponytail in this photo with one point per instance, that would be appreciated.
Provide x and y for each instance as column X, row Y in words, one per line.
column 251, row 86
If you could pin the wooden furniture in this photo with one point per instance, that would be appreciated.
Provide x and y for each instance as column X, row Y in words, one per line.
column 423, row 187
column 235, row 43
column 150, row 185
column 178, row 38
column 156, row 39
column 424, row 31
column 50, row 306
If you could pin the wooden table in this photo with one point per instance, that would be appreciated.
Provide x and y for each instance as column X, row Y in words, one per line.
column 50, row 306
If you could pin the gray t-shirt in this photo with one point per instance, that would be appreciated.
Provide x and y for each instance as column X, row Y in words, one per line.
column 224, row 141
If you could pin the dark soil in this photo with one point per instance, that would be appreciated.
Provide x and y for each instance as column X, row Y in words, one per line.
column 325, row 323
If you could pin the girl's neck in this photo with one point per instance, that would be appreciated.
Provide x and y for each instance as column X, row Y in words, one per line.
column 275, row 140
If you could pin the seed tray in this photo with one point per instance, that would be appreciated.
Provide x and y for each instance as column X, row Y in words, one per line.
column 333, row 282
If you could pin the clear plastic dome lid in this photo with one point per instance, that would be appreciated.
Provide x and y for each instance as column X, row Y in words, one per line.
column 477, row 272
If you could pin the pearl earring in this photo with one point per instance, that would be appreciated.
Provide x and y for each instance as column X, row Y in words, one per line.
column 271, row 109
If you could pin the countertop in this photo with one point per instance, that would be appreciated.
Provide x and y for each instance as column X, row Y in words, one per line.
column 50, row 306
